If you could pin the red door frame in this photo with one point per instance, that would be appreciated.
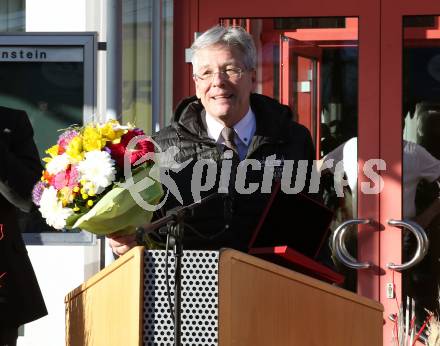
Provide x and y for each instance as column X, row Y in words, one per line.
column 290, row 48
column 391, row 130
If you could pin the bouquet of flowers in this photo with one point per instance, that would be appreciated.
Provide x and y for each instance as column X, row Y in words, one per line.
column 83, row 184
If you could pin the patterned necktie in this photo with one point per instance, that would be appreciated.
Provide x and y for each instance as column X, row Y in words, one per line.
column 228, row 135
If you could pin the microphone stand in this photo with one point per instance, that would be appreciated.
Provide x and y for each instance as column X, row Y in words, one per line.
column 174, row 230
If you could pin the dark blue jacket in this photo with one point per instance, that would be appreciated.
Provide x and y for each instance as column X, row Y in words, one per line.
column 276, row 133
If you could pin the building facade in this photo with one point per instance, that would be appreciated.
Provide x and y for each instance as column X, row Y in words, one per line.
column 363, row 76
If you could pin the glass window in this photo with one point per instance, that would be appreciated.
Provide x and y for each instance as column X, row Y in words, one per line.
column 52, row 94
column 12, row 15
column 167, row 70
column 147, row 42
column 137, row 62
column 421, row 157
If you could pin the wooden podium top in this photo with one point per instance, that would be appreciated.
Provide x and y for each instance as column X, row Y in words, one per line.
column 234, row 258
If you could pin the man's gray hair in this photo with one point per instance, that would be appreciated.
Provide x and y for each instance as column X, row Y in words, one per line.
column 233, row 36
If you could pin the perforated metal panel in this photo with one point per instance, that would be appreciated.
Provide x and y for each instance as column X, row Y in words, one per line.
column 199, row 299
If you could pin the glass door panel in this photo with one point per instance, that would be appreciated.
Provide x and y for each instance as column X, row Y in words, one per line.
column 421, row 158
column 299, row 73
column 311, row 64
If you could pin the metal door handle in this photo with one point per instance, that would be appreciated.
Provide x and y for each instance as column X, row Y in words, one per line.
column 422, row 243
column 338, row 244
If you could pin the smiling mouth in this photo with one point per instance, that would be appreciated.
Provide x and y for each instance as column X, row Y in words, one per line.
column 222, row 97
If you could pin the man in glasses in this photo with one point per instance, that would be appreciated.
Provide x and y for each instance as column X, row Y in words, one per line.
column 226, row 123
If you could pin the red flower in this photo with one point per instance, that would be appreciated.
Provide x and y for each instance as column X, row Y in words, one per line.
column 143, row 146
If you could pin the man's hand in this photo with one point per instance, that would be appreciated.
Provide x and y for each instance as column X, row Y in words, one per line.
column 121, row 244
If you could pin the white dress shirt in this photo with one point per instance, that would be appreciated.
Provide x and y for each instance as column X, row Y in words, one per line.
column 244, row 131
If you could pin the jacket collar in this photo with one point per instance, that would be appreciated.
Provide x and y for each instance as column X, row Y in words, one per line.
column 272, row 120
column 188, row 119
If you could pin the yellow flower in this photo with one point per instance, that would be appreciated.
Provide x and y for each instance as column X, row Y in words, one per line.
column 110, row 134
column 85, row 196
column 66, row 196
column 89, row 202
column 53, row 150
column 92, row 139
column 75, row 149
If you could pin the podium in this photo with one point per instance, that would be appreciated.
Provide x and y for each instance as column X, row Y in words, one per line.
column 228, row 298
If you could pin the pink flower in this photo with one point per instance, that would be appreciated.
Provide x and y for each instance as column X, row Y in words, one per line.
column 73, row 177
column 68, row 178
column 64, row 140
column 59, row 180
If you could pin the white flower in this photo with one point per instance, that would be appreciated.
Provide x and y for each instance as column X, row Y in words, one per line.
column 97, row 169
column 123, row 127
column 57, row 164
column 52, row 209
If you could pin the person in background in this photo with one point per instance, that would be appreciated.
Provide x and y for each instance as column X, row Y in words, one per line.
column 419, row 167
column 226, row 115
column 21, row 300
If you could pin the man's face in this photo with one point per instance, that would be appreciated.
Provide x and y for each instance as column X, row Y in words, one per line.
column 225, row 98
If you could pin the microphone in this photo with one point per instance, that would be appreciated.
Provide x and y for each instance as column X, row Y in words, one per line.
column 227, row 208
column 226, row 184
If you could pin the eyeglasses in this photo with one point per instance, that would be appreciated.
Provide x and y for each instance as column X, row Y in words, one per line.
column 232, row 74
